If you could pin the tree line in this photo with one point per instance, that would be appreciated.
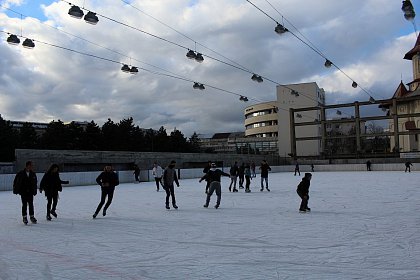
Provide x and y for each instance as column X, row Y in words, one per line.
column 121, row 136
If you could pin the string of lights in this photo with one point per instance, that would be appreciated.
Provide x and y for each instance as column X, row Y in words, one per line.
column 328, row 63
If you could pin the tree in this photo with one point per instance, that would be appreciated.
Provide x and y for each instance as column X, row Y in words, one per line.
column 194, row 143
column 8, row 139
column 110, row 136
column 161, row 141
column 91, row 138
column 28, row 138
column 178, row 142
column 54, row 138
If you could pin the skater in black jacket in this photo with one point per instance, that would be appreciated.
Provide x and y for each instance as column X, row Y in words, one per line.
column 169, row 177
column 234, row 171
column 25, row 184
column 303, row 192
column 214, row 176
column 205, row 170
column 264, row 174
column 51, row 185
column 108, row 180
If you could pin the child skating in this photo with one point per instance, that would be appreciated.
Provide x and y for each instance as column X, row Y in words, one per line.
column 303, row 192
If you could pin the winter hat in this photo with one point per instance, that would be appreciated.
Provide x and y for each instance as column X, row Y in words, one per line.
column 308, row 175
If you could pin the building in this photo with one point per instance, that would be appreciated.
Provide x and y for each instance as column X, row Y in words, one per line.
column 299, row 96
column 408, row 103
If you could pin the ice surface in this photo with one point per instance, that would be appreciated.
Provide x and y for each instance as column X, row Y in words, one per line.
column 363, row 225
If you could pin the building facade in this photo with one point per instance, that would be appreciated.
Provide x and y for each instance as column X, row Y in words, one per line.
column 261, row 120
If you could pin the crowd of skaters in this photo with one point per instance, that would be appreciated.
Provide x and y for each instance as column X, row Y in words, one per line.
column 26, row 185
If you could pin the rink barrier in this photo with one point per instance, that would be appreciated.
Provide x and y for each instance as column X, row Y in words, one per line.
column 88, row 178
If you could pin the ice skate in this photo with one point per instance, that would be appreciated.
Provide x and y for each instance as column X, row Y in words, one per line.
column 33, row 220
column 267, row 189
column 167, row 207
column 247, row 190
column 104, row 213
column 302, row 211
column 175, row 206
column 25, row 220
column 49, row 218
column 235, row 190
column 205, row 205
column 94, row 215
column 54, row 213
column 216, row 206
column 308, row 209
column 261, row 189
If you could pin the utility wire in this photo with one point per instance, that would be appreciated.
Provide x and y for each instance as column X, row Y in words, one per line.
column 316, row 50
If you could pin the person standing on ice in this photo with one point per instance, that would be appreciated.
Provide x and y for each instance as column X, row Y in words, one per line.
column 157, row 174
column 297, row 170
column 264, row 174
column 368, row 165
column 25, row 184
column 303, row 192
column 253, row 170
column 169, row 177
column 214, row 175
column 248, row 177
column 407, row 166
column 241, row 175
column 136, row 173
column 108, row 180
column 51, row 185
column 205, row 170
column 234, row 170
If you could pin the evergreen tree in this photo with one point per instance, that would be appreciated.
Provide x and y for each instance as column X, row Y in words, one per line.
column 178, row 142
column 28, row 138
column 54, row 138
column 8, row 141
column 91, row 138
column 161, row 141
column 110, row 136
column 194, row 143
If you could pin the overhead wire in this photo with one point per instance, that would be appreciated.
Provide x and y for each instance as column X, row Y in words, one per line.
column 310, row 45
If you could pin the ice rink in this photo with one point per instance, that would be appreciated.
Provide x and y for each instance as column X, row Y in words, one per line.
column 363, row 225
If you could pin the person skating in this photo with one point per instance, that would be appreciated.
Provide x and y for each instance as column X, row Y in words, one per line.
column 234, row 170
column 205, row 170
column 214, row 175
column 157, row 174
column 248, row 178
column 264, row 174
column 368, row 165
column 312, row 168
column 136, row 173
column 169, row 177
column 254, row 174
column 108, row 180
column 241, row 175
column 407, row 166
column 303, row 192
column 51, row 184
column 297, row 169
column 25, row 184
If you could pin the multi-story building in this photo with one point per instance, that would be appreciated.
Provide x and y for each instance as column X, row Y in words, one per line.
column 261, row 120
column 408, row 103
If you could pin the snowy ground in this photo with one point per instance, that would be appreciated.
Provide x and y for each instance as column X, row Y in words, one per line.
column 363, row 225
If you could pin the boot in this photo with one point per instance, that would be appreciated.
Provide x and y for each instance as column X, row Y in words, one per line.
column 174, row 206
column 94, row 215
column 33, row 220
column 267, row 189
column 54, row 213
column 25, row 220
column 235, row 190
column 49, row 218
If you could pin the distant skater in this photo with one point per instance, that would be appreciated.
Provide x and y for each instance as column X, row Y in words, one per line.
column 157, row 174
column 25, row 184
column 312, row 168
column 205, row 170
column 241, row 175
column 408, row 166
column 169, row 177
column 253, row 174
column 297, row 170
column 108, row 180
column 136, row 173
column 368, row 165
column 264, row 174
column 234, row 171
column 51, row 184
column 214, row 176
column 303, row 192
column 248, row 177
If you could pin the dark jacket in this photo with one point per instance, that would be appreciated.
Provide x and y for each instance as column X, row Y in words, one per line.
column 264, row 170
column 303, row 187
column 234, row 170
column 51, row 183
column 169, row 176
column 24, row 184
column 214, row 175
column 108, row 179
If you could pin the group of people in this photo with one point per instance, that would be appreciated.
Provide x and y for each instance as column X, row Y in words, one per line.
column 407, row 165
column 25, row 185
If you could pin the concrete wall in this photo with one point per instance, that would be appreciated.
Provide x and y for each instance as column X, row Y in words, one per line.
column 88, row 178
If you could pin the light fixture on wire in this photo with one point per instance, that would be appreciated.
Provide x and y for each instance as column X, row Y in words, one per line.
column 125, row 68
column 191, row 54
column 371, row 100
column 280, row 29
column 328, row 63
column 28, row 43
column 408, row 9
column 13, row 39
column 134, row 70
column 198, row 86
column 75, row 12
column 91, row 18
column 243, row 98
column 257, row 78
column 354, row 84
column 199, row 57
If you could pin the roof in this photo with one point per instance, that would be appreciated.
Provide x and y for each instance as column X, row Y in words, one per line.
column 414, row 50
column 401, row 91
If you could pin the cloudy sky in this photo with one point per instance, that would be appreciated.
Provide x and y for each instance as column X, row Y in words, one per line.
column 367, row 39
